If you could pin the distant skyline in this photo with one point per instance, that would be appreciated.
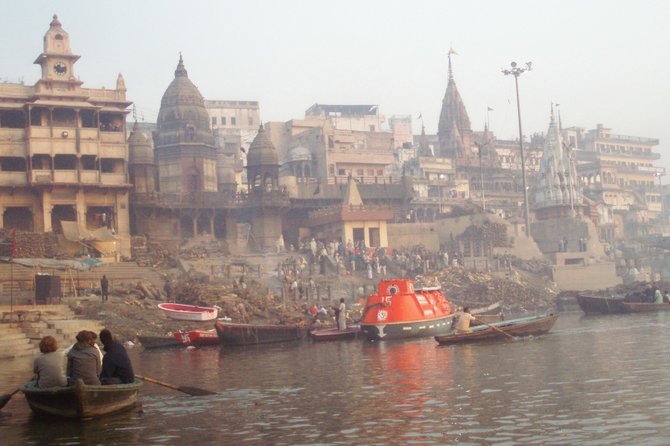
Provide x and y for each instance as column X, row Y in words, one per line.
column 602, row 61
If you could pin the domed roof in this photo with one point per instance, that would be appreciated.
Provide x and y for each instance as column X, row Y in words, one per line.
column 261, row 151
column 183, row 116
column 299, row 153
column 139, row 147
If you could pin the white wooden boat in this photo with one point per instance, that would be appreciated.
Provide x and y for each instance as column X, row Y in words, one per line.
column 189, row 312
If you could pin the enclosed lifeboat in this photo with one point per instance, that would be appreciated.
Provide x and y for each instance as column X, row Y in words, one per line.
column 398, row 310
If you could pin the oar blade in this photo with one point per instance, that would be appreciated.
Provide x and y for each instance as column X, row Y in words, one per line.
column 195, row 391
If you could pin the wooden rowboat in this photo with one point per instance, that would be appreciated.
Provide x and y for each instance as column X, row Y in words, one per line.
column 158, row 341
column 189, row 312
column 197, row 338
column 249, row 334
column 80, row 400
column 335, row 334
column 641, row 307
column 594, row 304
column 526, row 326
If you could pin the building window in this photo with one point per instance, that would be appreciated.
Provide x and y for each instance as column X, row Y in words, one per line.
column 213, row 120
column 233, row 121
column 341, row 172
column 372, row 128
column 380, row 172
column 223, row 120
column 251, row 120
column 360, row 172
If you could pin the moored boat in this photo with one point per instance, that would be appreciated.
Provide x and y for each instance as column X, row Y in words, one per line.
column 595, row 304
column 642, row 307
column 231, row 333
column 197, row 338
column 525, row 326
column 80, row 400
column 397, row 310
column 158, row 341
column 189, row 312
column 335, row 334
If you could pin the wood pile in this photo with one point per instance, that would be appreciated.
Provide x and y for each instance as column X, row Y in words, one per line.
column 494, row 234
column 252, row 303
column 476, row 289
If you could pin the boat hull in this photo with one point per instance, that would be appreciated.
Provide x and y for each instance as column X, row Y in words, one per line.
column 335, row 334
column 232, row 334
column 642, row 307
column 189, row 312
column 591, row 304
column 403, row 330
column 80, row 400
column 158, row 341
column 197, row 338
column 529, row 326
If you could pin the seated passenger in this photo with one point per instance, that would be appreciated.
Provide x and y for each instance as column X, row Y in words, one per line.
column 49, row 367
column 83, row 361
column 463, row 323
column 116, row 365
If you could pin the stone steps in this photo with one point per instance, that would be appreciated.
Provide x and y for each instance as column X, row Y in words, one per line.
column 14, row 343
column 22, row 338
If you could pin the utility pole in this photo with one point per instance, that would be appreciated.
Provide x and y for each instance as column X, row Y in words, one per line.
column 516, row 72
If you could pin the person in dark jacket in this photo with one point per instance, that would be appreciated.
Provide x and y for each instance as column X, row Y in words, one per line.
column 104, row 288
column 83, row 360
column 116, row 366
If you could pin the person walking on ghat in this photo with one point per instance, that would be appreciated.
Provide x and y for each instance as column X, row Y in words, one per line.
column 104, row 288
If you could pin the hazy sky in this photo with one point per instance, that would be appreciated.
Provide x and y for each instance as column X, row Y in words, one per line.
column 603, row 61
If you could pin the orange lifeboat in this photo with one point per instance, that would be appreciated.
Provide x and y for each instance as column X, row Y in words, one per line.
column 398, row 310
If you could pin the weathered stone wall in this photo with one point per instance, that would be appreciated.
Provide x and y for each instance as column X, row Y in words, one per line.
column 595, row 276
column 405, row 235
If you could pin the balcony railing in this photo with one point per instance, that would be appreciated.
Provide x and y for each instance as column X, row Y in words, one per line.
column 89, row 176
column 13, row 178
column 112, row 179
column 65, row 176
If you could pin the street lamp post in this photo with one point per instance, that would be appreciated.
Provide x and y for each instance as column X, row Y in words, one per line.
column 516, row 72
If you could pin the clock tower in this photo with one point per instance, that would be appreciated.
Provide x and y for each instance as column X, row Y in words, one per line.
column 57, row 61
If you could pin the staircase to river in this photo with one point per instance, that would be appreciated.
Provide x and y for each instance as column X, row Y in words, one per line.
column 22, row 328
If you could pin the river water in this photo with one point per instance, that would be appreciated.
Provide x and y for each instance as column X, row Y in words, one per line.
column 590, row 381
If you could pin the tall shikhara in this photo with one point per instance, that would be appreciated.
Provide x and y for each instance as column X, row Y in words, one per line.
column 558, row 185
column 454, row 132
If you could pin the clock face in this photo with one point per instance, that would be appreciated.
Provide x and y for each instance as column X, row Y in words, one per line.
column 60, row 68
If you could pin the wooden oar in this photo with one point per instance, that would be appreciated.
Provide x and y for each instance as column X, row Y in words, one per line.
column 4, row 399
column 193, row 391
column 495, row 328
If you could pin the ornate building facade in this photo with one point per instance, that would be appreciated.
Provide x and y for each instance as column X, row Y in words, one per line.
column 64, row 156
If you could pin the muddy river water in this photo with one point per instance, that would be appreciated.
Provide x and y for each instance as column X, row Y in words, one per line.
column 591, row 381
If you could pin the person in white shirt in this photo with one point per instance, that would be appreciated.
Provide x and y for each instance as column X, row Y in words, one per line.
column 463, row 323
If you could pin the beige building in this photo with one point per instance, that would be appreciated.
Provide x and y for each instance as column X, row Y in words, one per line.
column 64, row 155
column 619, row 171
column 360, row 118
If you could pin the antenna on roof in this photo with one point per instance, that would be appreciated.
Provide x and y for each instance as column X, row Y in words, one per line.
column 134, row 113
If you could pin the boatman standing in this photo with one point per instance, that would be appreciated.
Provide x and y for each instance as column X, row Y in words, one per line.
column 463, row 323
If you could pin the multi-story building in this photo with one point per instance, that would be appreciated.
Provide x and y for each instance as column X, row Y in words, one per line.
column 64, row 155
column 619, row 171
column 360, row 118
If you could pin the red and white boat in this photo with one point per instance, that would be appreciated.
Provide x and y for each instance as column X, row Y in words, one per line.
column 197, row 338
column 189, row 312
column 397, row 310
